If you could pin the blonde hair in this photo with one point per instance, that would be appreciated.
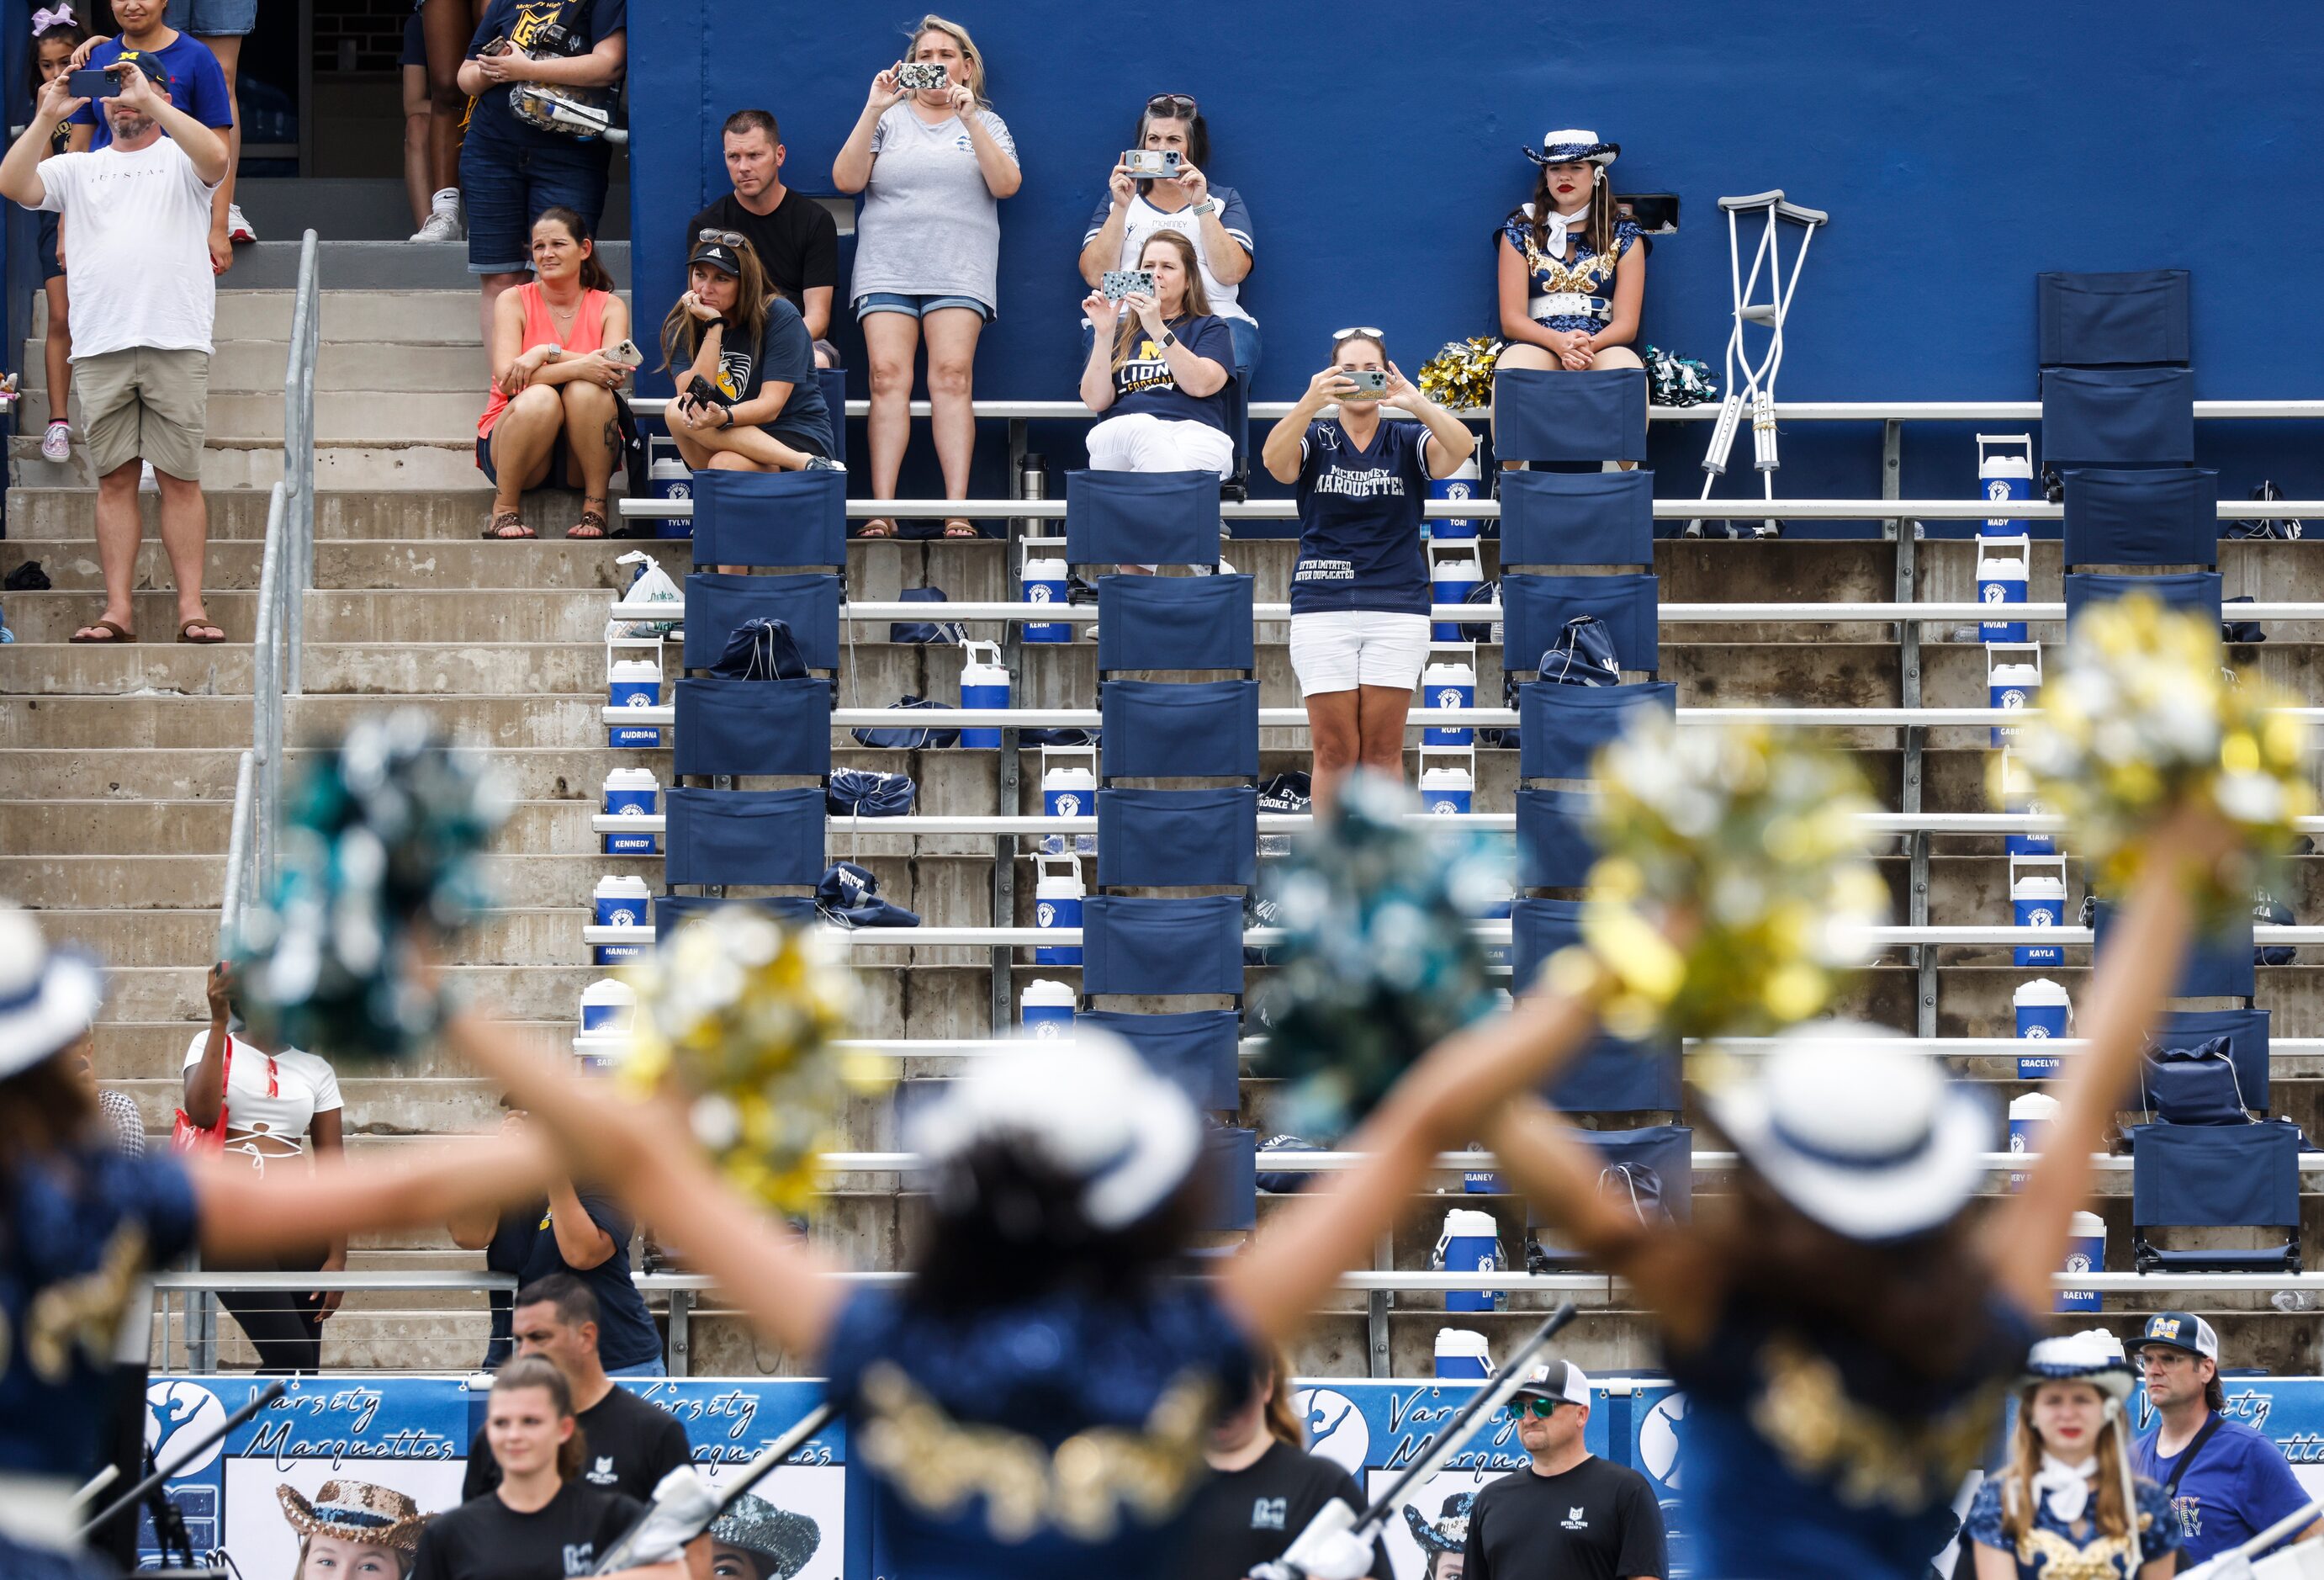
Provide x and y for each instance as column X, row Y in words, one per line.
column 1283, row 1423
column 2025, row 1460
column 1196, row 303
column 932, row 23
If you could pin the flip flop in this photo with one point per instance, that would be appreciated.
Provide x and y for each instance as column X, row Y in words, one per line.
column 592, row 524
column 878, row 527
column 120, row 635
column 496, row 529
column 959, row 528
column 185, row 632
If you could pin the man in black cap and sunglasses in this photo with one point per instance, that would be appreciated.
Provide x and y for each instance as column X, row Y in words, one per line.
column 1569, row 1515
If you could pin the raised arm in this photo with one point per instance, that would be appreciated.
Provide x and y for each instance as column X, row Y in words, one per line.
column 852, row 170
column 1280, row 453
column 1440, row 1103
column 204, row 148
column 2027, row 1240
column 1097, row 372
column 20, row 171
column 243, row 1215
column 1098, row 253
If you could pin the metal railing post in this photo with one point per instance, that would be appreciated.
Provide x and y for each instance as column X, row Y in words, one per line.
column 299, row 458
column 266, row 687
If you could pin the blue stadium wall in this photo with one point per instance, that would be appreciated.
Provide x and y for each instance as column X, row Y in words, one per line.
column 1960, row 149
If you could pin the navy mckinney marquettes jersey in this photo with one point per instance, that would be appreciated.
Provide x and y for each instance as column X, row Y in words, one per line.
column 80, row 1227
column 1360, row 520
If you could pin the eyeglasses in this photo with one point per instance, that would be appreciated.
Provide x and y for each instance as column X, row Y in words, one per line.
column 732, row 238
column 1540, row 1409
column 1362, row 330
column 1176, row 107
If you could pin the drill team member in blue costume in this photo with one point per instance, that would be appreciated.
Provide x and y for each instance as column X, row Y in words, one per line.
column 80, row 1226
column 1848, row 1333
column 1359, row 592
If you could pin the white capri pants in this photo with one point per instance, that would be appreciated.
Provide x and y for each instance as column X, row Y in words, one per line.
column 1339, row 650
column 1143, row 442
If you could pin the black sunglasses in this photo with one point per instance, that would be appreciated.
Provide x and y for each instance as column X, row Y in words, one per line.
column 1176, row 107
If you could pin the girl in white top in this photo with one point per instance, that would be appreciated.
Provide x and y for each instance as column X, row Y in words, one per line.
column 932, row 164
column 273, row 1099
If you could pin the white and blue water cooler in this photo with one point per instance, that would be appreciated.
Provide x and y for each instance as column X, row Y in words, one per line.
column 1448, row 780
column 1045, row 582
column 1470, row 1243
column 2085, row 1253
column 2043, row 1013
column 2037, row 899
column 1047, row 1010
column 1449, row 681
column 1460, row 487
column 2017, row 796
column 1069, row 789
column 670, row 480
column 2013, row 681
column 631, row 792
column 1453, row 573
column 621, row 902
column 984, row 683
column 633, row 682
column 2004, row 479
column 2029, row 1116
column 1462, row 1355
column 607, row 1008
column 1057, row 903
column 2004, row 569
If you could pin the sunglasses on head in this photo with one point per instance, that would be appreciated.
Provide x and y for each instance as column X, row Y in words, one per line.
column 1366, row 332
column 1176, row 107
column 732, row 238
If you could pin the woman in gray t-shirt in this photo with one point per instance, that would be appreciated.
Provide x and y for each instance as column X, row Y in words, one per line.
column 932, row 164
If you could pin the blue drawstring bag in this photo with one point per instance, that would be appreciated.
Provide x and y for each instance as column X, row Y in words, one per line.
column 760, row 650
column 2267, row 908
column 1289, row 792
column 906, row 738
column 866, row 792
column 849, row 896
column 925, row 631
column 2192, row 1086
column 1582, row 655
column 2241, row 631
column 1056, row 736
column 1286, row 1182
column 1484, row 592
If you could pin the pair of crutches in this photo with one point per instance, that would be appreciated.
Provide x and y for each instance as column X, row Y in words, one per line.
column 1755, row 389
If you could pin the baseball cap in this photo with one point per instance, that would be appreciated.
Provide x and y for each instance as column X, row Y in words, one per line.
column 150, row 64
column 2182, row 1330
column 718, row 255
column 1559, row 1379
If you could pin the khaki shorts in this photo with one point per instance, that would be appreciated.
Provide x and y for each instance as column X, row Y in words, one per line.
column 141, row 403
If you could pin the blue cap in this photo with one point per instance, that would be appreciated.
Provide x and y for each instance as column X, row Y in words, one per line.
column 2182, row 1330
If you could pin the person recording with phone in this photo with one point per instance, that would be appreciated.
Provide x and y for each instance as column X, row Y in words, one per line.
column 558, row 364
column 1159, row 184
column 1360, row 591
column 748, row 400
column 1157, row 369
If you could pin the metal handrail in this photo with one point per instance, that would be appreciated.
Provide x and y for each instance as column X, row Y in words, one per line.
column 872, row 612
column 1491, row 933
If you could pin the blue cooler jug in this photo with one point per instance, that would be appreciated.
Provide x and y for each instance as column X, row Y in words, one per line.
column 2044, row 1012
column 984, row 683
column 1462, row 1355
column 2037, row 899
column 2085, row 1253
column 1462, row 486
column 631, row 792
column 2012, row 679
column 633, row 683
column 1453, row 574
column 1470, row 1243
column 2005, row 480
column 1057, row 903
column 621, row 902
column 2017, row 796
column 1047, row 1010
column 1069, row 789
column 1446, row 790
column 1448, row 683
column 1045, row 583
column 2001, row 572
column 2029, row 1116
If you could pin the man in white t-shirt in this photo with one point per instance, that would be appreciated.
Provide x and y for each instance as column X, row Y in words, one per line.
column 143, row 294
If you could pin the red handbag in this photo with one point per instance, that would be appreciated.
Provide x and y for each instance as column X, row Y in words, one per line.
column 186, row 1136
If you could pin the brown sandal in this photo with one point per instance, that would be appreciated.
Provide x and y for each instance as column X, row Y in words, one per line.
column 498, row 528
column 960, row 529
column 186, row 632
column 877, row 527
column 592, row 524
column 121, row 634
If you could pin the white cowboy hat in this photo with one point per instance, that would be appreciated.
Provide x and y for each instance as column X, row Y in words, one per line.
column 46, row 996
column 1868, row 1138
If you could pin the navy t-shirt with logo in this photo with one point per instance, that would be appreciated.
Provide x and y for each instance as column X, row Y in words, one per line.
column 525, row 1244
column 1360, row 520
column 786, row 354
column 2237, row 1486
column 1144, row 383
column 540, row 28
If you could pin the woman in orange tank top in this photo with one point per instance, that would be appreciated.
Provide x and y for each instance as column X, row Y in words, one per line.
column 555, row 406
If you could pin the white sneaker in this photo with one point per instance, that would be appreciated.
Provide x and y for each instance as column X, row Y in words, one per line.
column 56, row 444
column 445, row 221
column 146, row 482
column 237, row 228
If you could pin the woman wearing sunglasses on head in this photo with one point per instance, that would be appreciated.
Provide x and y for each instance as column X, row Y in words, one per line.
column 1360, row 591
column 748, row 400
column 1213, row 217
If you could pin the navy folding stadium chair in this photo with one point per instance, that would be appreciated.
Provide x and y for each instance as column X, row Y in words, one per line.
column 1137, row 945
column 2216, row 1177
column 1177, row 839
column 1578, row 517
column 669, row 910
column 1198, row 1050
column 1230, row 1161
column 1141, row 518
column 1648, row 1171
column 2118, row 417
column 2216, row 967
column 833, row 383
column 717, row 603
column 1536, row 608
column 1539, row 415
column 2157, row 516
column 1611, row 1076
column 1561, row 727
column 754, row 726
column 2096, row 320
column 1153, row 729
column 2197, row 591
column 733, row 836
column 771, row 518
column 2245, row 1032
column 1176, row 623
column 1554, row 847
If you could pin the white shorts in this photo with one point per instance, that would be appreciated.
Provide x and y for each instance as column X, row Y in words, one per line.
column 1143, row 442
column 1339, row 650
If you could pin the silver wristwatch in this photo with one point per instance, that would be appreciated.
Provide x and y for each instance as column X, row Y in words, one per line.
column 1207, row 206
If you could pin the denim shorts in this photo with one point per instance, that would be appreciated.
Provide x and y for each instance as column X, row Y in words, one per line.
column 920, row 307
column 213, row 19
column 50, row 267
column 506, row 187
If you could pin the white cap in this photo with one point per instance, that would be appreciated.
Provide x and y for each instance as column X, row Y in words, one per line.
column 1559, row 1379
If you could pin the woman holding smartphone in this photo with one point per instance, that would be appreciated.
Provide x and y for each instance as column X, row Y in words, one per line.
column 748, row 400
column 1157, row 370
column 555, row 410
column 1360, row 591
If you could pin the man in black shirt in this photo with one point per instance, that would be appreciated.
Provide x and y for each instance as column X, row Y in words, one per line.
column 796, row 237
column 1569, row 1515
column 1262, row 1492
column 630, row 1444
